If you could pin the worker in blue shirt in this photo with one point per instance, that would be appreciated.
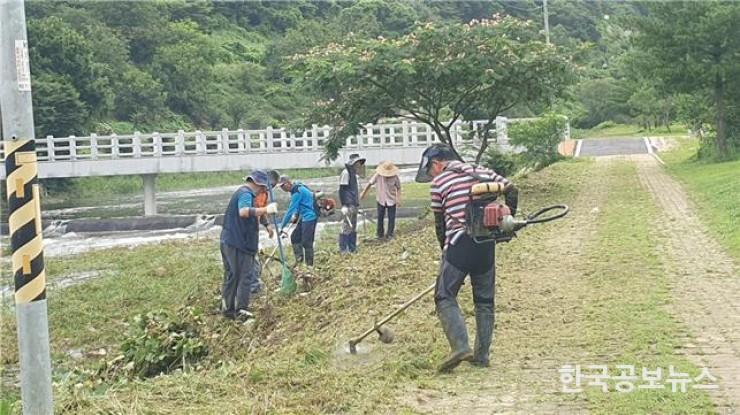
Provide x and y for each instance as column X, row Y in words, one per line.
column 240, row 242
column 302, row 211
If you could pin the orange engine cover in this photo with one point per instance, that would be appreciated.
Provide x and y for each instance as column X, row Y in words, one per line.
column 494, row 213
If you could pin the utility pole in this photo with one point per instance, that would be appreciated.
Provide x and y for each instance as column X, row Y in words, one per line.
column 547, row 21
column 24, row 211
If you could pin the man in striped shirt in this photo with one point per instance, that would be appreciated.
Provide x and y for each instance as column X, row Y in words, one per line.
column 451, row 182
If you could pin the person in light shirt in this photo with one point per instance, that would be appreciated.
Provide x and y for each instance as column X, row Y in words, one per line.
column 387, row 196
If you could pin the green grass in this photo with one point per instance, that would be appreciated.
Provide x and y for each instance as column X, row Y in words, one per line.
column 7, row 404
column 714, row 188
column 628, row 130
column 415, row 191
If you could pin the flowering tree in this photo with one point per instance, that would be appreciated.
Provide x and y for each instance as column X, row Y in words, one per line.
column 437, row 74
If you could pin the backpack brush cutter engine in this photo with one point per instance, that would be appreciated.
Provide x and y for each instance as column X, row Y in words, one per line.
column 488, row 220
column 485, row 220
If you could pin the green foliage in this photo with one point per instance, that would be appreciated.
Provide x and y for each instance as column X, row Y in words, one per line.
column 693, row 49
column 160, row 343
column 502, row 163
column 437, row 74
column 540, row 137
column 143, row 100
column 185, row 60
column 159, row 65
column 604, row 99
column 58, row 108
column 56, row 48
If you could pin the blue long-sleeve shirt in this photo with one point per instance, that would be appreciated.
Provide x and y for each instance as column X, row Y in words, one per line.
column 301, row 201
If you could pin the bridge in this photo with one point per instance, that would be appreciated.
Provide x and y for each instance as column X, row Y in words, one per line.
column 227, row 150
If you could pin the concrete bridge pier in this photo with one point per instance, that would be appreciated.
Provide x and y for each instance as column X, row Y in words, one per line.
column 150, row 202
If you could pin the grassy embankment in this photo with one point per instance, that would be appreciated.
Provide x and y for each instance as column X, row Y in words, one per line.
column 715, row 190
column 628, row 130
column 604, row 299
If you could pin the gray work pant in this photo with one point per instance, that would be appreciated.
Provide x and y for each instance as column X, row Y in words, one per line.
column 238, row 273
column 451, row 278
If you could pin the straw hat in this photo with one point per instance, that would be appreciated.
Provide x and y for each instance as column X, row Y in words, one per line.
column 387, row 169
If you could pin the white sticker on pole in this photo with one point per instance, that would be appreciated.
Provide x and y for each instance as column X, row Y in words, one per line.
column 22, row 66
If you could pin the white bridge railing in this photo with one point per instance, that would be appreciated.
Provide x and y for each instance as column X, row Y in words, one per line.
column 225, row 141
column 148, row 155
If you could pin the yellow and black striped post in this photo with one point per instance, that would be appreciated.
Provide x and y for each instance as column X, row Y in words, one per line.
column 24, row 221
column 24, row 213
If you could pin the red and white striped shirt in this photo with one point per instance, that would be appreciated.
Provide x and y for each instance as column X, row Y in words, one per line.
column 450, row 191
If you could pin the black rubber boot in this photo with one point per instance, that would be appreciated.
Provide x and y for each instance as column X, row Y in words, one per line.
column 483, row 336
column 453, row 325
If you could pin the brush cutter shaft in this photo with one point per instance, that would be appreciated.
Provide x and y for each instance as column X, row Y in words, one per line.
column 287, row 284
column 388, row 318
column 272, row 254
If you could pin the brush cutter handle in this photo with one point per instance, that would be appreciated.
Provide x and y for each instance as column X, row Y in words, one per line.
column 377, row 325
column 536, row 217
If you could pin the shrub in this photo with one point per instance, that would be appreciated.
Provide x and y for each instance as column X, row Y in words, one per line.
column 160, row 343
column 502, row 163
column 540, row 137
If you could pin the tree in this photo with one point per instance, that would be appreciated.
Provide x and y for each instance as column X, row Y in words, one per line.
column 695, row 49
column 437, row 74
column 57, row 107
column 143, row 99
column 57, row 48
column 183, row 65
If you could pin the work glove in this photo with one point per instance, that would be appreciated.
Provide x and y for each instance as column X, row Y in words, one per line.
column 272, row 208
column 345, row 210
column 284, row 234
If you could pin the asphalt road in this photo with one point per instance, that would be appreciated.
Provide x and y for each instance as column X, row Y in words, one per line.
column 613, row 146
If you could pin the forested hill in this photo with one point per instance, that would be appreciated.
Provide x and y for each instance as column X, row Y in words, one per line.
column 119, row 66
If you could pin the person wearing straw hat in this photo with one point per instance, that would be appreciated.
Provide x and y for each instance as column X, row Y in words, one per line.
column 387, row 196
column 349, row 197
